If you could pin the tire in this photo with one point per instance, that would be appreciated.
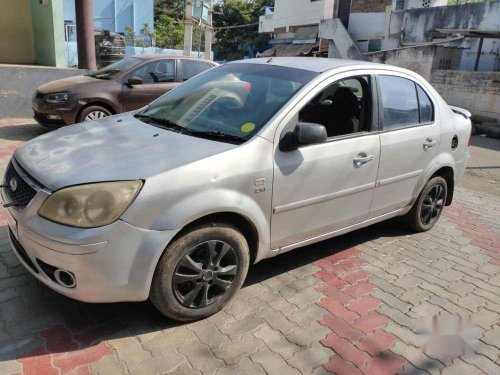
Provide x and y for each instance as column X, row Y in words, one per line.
column 93, row 112
column 429, row 206
column 187, row 286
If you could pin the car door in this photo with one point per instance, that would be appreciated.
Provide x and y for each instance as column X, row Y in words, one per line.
column 409, row 138
column 158, row 77
column 321, row 188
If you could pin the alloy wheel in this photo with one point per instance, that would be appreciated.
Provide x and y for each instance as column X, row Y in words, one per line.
column 205, row 274
column 95, row 115
column 432, row 205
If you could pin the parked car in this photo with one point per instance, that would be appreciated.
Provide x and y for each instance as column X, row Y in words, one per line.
column 125, row 85
column 241, row 163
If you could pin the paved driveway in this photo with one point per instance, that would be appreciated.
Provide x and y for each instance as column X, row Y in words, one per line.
column 355, row 304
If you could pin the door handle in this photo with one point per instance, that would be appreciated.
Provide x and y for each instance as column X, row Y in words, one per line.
column 362, row 159
column 429, row 143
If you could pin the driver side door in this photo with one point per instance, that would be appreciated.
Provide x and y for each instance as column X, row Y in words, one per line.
column 321, row 188
column 158, row 77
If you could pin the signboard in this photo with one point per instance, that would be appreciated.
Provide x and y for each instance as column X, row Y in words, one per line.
column 200, row 10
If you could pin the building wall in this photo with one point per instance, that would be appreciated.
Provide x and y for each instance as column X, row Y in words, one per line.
column 369, row 6
column 16, row 42
column 116, row 15
column 48, row 33
column 296, row 13
column 478, row 92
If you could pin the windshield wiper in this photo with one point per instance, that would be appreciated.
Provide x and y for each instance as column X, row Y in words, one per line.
column 161, row 122
column 216, row 135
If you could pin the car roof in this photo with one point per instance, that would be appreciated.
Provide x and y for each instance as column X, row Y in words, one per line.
column 161, row 56
column 314, row 64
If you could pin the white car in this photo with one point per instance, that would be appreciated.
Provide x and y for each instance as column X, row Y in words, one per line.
column 241, row 163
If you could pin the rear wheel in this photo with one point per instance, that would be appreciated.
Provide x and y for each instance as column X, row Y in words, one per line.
column 93, row 112
column 427, row 209
column 200, row 272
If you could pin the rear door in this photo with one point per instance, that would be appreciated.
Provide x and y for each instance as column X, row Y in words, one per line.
column 409, row 142
column 191, row 68
column 158, row 77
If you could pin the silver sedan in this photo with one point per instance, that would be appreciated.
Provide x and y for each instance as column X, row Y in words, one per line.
column 243, row 162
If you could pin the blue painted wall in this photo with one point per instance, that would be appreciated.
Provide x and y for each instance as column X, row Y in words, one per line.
column 116, row 15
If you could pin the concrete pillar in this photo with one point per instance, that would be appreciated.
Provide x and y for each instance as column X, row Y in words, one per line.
column 209, row 33
column 85, row 34
column 188, row 28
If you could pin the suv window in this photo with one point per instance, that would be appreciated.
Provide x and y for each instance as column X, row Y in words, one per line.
column 425, row 106
column 193, row 68
column 343, row 107
column 399, row 102
column 160, row 71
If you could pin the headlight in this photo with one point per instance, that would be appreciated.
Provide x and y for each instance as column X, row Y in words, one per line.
column 90, row 206
column 58, row 98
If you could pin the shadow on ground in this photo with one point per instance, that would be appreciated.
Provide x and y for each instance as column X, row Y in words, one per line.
column 22, row 132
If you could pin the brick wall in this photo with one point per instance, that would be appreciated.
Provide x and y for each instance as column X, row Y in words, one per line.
column 479, row 92
column 369, row 6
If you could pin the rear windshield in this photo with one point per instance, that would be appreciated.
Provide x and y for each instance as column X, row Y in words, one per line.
column 113, row 70
column 235, row 99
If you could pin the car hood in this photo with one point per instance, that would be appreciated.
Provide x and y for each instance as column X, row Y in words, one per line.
column 109, row 150
column 66, row 84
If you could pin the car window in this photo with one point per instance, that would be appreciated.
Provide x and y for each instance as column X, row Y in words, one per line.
column 193, row 68
column 118, row 67
column 343, row 107
column 425, row 106
column 160, row 71
column 399, row 102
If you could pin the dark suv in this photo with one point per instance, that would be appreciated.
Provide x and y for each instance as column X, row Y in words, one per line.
column 123, row 86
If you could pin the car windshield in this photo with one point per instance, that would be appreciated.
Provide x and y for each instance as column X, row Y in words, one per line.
column 113, row 70
column 232, row 101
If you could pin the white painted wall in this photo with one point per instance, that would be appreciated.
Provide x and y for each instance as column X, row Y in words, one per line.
column 367, row 25
column 289, row 13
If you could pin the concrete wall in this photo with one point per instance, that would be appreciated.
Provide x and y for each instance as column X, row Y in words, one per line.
column 296, row 13
column 116, row 15
column 19, row 84
column 16, row 30
column 419, row 60
column 478, row 92
column 48, row 33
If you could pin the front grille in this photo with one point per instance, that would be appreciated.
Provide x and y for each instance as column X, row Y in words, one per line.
column 22, row 253
column 23, row 193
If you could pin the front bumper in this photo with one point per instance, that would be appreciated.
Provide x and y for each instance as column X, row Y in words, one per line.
column 114, row 263
column 66, row 114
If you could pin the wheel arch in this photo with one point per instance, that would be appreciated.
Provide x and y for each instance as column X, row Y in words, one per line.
column 448, row 174
column 241, row 222
column 99, row 103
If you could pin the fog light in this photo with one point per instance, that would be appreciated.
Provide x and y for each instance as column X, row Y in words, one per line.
column 53, row 117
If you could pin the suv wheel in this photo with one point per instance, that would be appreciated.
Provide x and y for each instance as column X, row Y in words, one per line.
column 430, row 203
column 92, row 113
column 200, row 272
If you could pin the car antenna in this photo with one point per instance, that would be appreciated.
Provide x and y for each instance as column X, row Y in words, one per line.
column 269, row 61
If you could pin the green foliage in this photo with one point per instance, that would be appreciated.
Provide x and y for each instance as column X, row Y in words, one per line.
column 172, row 8
column 169, row 32
column 144, row 38
column 232, row 44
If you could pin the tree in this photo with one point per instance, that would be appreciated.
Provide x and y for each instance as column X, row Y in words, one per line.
column 233, row 43
column 172, row 8
column 169, row 32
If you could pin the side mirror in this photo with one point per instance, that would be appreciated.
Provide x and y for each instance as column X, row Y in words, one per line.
column 305, row 133
column 132, row 81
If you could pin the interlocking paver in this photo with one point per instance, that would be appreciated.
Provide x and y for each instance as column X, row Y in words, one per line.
column 350, row 305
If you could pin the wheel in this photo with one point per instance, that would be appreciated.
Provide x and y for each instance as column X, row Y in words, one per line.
column 199, row 273
column 430, row 203
column 94, row 112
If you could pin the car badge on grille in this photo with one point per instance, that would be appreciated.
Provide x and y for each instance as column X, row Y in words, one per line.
column 13, row 184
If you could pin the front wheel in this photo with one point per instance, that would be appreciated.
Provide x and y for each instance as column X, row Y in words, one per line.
column 430, row 204
column 93, row 112
column 200, row 272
